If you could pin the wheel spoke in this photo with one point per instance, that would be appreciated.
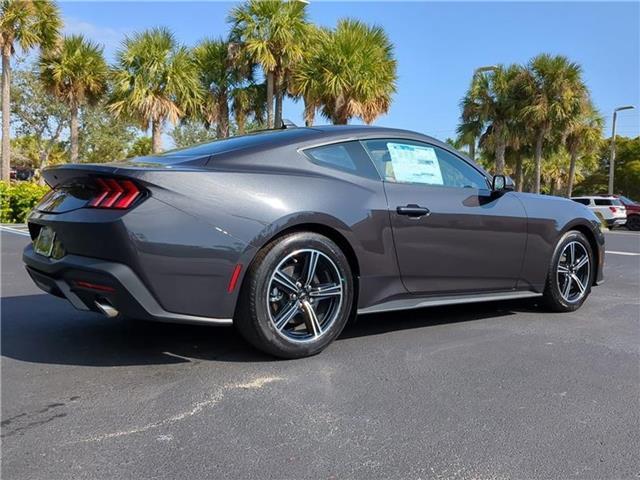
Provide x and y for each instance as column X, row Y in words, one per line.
column 310, row 319
column 572, row 252
column 312, row 263
column 326, row 291
column 567, row 288
column 286, row 281
column 582, row 262
column 562, row 269
column 286, row 315
column 581, row 286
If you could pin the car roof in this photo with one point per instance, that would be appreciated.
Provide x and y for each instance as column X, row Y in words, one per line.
column 336, row 131
column 302, row 136
column 595, row 197
column 297, row 135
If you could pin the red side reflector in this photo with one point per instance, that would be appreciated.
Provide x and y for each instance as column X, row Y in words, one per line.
column 94, row 286
column 234, row 278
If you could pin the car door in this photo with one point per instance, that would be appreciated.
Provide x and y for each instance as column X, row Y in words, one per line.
column 451, row 233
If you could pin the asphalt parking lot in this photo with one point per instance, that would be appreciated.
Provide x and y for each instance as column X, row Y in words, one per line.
column 485, row 391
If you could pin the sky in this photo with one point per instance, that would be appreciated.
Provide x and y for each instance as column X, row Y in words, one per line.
column 437, row 45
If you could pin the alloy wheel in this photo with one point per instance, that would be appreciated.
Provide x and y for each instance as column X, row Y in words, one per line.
column 305, row 293
column 573, row 272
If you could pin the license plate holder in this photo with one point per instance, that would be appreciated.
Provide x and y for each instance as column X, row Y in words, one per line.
column 44, row 243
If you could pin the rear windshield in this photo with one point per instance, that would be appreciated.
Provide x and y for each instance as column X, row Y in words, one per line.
column 606, row 201
column 272, row 137
column 583, row 201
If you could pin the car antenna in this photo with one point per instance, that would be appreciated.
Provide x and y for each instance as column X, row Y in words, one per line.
column 286, row 123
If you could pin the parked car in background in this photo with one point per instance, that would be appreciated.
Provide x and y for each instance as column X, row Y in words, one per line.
column 633, row 211
column 611, row 209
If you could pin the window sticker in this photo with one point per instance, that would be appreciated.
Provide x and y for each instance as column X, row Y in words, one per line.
column 415, row 164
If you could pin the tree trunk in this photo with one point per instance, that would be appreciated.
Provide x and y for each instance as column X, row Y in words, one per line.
column 222, row 122
column 572, row 170
column 472, row 150
column 538, row 161
column 241, row 122
column 279, row 99
column 500, row 149
column 519, row 174
column 156, row 136
column 6, row 145
column 309, row 112
column 269, row 99
column 44, row 161
column 558, row 185
column 73, row 135
column 339, row 114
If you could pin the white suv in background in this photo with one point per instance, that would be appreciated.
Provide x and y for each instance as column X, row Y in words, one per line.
column 610, row 209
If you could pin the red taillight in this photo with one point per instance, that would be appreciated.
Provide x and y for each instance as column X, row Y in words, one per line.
column 94, row 286
column 613, row 209
column 114, row 193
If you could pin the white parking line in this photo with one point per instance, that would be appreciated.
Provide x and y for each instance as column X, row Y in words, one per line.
column 632, row 254
column 14, row 230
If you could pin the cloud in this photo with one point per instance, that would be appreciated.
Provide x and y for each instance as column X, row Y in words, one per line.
column 110, row 38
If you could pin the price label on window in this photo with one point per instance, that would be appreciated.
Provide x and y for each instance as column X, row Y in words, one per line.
column 415, row 164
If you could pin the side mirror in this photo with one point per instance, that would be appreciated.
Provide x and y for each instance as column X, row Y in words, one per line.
column 502, row 183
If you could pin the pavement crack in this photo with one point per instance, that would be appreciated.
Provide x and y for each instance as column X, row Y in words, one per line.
column 195, row 409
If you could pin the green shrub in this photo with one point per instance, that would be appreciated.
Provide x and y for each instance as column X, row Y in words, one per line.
column 17, row 199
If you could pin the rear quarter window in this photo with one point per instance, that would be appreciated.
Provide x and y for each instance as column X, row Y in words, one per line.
column 348, row 157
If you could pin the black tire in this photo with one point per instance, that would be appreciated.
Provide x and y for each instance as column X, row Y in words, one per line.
column 633, row 223
column 254, row 315
column 553, row 297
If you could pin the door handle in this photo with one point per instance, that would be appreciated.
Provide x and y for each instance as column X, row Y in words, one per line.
column 413, row 211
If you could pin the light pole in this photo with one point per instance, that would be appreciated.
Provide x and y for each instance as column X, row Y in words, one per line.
column 612, row 154
column 487, row 68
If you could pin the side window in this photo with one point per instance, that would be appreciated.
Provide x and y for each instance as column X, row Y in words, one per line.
column 600, row 202
column 347, row 156
column 583, row 201
column 404, row 161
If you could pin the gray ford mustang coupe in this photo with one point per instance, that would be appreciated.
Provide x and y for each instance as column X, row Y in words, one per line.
column 287, row 234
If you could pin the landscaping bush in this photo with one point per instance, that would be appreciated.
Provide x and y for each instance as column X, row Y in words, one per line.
column 17, row 199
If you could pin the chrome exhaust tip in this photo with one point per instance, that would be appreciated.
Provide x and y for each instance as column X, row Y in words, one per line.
column 106, row 308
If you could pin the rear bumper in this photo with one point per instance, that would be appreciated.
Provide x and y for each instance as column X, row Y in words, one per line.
column 616, row 222
column 116, row 285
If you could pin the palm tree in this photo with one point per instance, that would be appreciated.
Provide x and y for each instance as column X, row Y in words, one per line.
column 26, row 24
column 248, row 101
column 222, row 68
column 351, row 74
column 75, row 72
column 519, row 149
column 584, row 134
column 470, row 128
column 155, row 80
column 305, row 82
column 493, row 100
column 272, row 33
column 555, row 90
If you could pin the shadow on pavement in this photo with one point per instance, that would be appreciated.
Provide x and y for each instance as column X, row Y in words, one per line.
column 44, row 329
